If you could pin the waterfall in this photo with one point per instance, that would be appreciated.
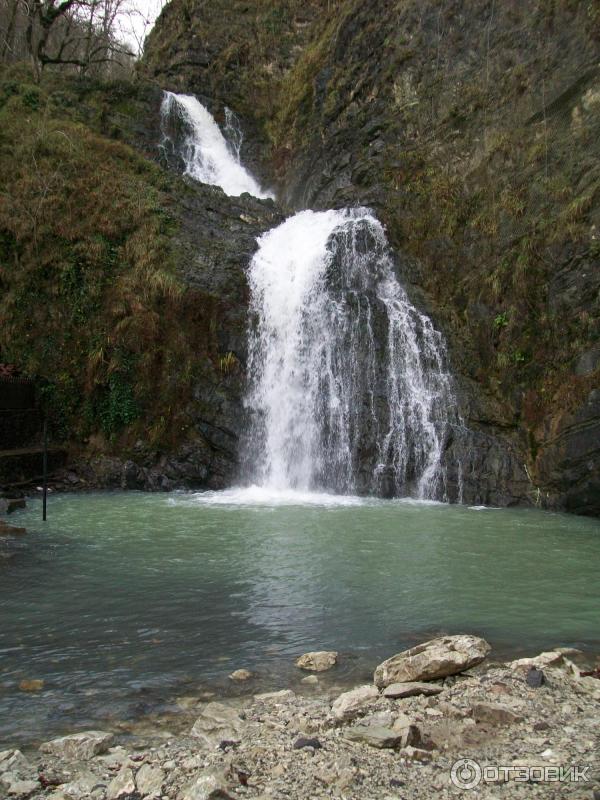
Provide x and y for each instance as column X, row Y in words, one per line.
column 348, row 384
column 189, row 129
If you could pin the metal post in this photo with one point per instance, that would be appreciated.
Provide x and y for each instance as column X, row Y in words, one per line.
column 45, row 471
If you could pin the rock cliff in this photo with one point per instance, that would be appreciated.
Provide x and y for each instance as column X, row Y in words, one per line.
column 472, row 128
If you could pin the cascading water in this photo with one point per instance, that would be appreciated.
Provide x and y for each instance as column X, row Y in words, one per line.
column 206, row 153
column 348, row 384
column 349, row 389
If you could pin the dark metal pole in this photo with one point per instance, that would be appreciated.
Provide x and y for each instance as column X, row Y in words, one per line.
column 45, row 471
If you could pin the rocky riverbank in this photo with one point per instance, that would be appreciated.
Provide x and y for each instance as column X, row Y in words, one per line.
column 427, row 709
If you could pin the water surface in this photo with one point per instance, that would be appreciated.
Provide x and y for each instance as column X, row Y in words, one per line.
column 122, row 598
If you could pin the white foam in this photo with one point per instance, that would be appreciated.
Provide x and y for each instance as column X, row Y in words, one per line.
column 206, row 154
column 267, row 497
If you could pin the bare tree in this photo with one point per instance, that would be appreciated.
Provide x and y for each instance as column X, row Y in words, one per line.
column 9, row 15
column 82, row 34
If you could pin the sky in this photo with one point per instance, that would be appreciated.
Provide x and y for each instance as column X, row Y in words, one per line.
column 136, row 20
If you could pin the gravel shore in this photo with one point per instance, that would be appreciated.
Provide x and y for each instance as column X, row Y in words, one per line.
column 526, row 724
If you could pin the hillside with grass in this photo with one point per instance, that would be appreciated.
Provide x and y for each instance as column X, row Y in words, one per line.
column 103, row 298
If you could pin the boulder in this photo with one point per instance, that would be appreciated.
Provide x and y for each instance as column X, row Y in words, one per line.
column 550, row 658
column 21, row 788
column 16, row 775
column 149, row 781
column 374, row 735
column 217, row 723
column 349, row 704
column 79, row 746
column 409, row 731
column 122, row 785
column 318, row 660
column 436, row 658
column 395, row 691
column 80, row 785
column 211, row 785
column 495, row 714
column 14, row 761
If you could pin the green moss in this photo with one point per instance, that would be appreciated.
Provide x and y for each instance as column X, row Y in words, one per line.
column 91, row 295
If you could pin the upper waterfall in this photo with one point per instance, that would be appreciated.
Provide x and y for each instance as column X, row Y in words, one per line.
column 348, row 384
column 207, row 155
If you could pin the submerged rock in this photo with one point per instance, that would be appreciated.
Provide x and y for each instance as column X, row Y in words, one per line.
column 31, row 685
column 11, row 530
column 318, row 660
column 8, row 505
column 436, row 658
column 282, row 696
column 241, row 675
column 79, row 746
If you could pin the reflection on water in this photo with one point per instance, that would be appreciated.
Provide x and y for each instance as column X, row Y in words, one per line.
column 123, row 599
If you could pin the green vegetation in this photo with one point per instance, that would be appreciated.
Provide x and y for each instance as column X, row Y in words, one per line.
column 91, row 299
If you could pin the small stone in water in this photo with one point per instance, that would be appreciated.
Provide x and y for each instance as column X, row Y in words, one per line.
column 303, row 741
column 535, row 678
column 241, row 675
column 318, row 660
column 31, row 685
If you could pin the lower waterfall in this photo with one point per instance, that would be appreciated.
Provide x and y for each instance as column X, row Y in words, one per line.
column 349, row 389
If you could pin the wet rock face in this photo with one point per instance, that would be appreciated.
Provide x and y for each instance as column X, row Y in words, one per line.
column 479, row 157
column 214, row 242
